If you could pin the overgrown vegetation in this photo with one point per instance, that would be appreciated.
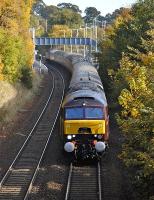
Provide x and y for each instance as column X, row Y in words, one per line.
column 127, row 68
column 16, row 48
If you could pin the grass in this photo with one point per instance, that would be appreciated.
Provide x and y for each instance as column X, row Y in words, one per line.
column 13, row 98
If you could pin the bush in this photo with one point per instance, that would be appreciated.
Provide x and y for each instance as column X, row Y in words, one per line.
column 26, row 77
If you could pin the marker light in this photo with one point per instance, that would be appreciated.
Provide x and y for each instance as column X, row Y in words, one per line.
column 69, row 137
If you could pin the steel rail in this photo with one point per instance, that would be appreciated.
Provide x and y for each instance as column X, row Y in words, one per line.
column 28, row 140
column 69, row 182
column 37, row 169
column 29, row 135
column 78, row 186
column 99, row 181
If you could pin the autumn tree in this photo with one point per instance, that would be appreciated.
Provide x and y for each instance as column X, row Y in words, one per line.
column 60, row 31
column 127, row 58
column 137, row 115
column 117, row 37
column 16, row 50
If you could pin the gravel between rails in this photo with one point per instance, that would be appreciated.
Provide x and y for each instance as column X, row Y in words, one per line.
column 84, row 182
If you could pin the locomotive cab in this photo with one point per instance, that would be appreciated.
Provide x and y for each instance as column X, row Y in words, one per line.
column 85, row 130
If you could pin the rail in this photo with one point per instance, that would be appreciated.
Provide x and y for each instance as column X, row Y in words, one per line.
column 18, row 180
column 84, row 182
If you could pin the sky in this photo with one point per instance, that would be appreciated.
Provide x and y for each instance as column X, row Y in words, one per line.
column 105, row 6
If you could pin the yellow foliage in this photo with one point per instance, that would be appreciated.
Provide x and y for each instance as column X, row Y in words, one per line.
column 60, row 31
column 14, row 23
column 1, row 68
column 8, row 16
column 134, row 113
column 124, row 17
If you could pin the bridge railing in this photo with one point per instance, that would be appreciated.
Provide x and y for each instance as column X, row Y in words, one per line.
column 65, row 41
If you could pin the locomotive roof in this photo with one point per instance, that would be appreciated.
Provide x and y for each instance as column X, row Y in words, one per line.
column 85, row 94
column 89, row 102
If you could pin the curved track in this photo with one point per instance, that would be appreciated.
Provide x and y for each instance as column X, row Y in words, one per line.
column 84, row 183
column 17, row 182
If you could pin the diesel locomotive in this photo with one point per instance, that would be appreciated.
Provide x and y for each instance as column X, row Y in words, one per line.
column 84, row 119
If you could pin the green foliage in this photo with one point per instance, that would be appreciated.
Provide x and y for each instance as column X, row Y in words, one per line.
column 16, row 48
column 70, row 18
column 64, row 14
column 73, row 7
column 60, row 31
column 39, row 24
column 91, row 13
column 10, row 51
column 38, row 7
column 26, row 77
column 127, row 58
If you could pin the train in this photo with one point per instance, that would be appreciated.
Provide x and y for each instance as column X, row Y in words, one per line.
column 84, row 118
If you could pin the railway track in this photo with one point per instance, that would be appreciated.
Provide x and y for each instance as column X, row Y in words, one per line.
column 84, row 183
column 18, row 180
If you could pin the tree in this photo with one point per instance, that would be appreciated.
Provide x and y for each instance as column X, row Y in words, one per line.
column 70, row 18
column 127, row 58
column 117, row 36
column 15, row 41
column 91, row 13
column 73, row 7
column 39, row 24
column 38, row 7
column 60, row 31
column 111, row 17
column 137, row 115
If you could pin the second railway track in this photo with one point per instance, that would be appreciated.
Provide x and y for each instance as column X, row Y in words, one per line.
column 17, row 182
column 84, row 183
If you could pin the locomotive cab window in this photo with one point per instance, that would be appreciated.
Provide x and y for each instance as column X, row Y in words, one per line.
column 84, row 113
column 94, row 113
column 74, row 113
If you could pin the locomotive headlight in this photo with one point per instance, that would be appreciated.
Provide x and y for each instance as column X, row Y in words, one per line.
column 95, row 135
column 74, row 136
column 69, row 147
column 69, row 137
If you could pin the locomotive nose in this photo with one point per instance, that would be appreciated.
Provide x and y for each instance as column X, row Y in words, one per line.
column 100, row 146
column 69, row 147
